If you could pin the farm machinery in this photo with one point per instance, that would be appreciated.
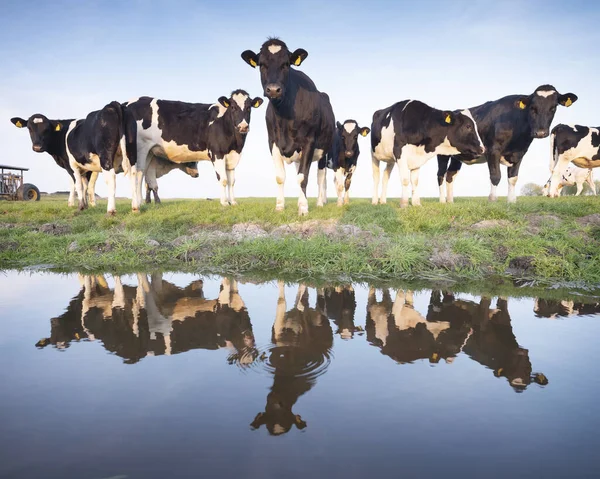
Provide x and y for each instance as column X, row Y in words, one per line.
column 13, row 187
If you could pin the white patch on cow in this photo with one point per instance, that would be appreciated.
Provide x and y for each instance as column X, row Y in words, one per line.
column 545, row 93
column 274, row 49
column 468, row 114
column 38, row 120
column 415, row 156
column 179, row 153
column 243, row 125
column 221, row 108
column 240, row 99
column 493, row 192
column 317, row 154
column 573, row 127
column 352, row 168
column 504, row 162
column 232, row 159
column 384, row 151
column 512, row 183
column 350, row 126
column 95, row 165
column 446, row 148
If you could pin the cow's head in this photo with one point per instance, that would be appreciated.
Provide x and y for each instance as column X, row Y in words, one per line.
column 462, row 132
column 41, row 130
column 239, row 106
column 274, row 61
column 348, row 134
column 541, row 107
column 190, row 168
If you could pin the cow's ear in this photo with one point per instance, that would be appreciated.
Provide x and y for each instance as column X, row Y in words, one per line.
column 257, row 102
column 567, row 99
column 18, row 122
column 300, row 424
column 298, row 57
column 522, row 102
column 57, row 126
column 250, row 58
column 223, row 100
column 338, row 124
column 364, row 131
column 447, row 118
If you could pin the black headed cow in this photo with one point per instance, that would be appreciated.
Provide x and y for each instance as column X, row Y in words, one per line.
column 410, row 133
column 344, row 157
column 577, row 144
column 507, row 127
column 103, row 142
column 300, row 120
column 190, row 132
column 49, row 136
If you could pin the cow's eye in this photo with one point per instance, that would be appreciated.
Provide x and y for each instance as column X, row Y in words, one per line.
column 469, row 126
column 534, row 109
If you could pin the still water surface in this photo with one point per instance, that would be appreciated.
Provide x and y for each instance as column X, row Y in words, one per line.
column 174, row 375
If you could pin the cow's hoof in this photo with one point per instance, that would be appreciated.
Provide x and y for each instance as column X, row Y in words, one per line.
column 346, row 202
column 374, row 201
column 303, row 211
column 135, row 210
column 340, row 203
column 319, row 204
column 224, row 203
column 404, row 204
column 111, row 213
column 148, row 201
column 233, row 203
column 382, row 202
column 442, row 201
column 279, row 208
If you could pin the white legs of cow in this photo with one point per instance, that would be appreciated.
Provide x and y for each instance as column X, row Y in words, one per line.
column 338, row 179
column 512, row 186
column 111, row 182
column 389, row 166
column 279, row 177
column 322, row 182
column 230, row 185
column 302, row 199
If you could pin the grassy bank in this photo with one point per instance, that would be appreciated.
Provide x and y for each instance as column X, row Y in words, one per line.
column 538, row 239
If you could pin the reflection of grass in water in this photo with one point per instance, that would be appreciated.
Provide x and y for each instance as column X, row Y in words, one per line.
column 434, row 242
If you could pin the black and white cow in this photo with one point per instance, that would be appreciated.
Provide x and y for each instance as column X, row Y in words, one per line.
column 344, row 157
column 190, row 132
column 410, row 133
column 507, row 127
column 300, row 120
column 575, row 144
column 160, row 167
column 49, row 136
column 103, row 142
column 573, row 175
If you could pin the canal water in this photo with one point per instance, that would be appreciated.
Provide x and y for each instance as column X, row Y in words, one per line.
column 177, row 375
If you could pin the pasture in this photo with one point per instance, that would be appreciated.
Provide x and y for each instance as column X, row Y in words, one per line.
column 548, row 241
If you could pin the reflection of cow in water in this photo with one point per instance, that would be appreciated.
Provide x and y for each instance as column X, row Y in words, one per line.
column 550, row 308
column 301, row 340
column 483, row 333
column 339, row 304
column 156, row 317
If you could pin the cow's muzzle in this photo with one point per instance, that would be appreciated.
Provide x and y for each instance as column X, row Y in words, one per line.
column 540, row 133
column 348, row 154
column 37, row 148
column 273, row 91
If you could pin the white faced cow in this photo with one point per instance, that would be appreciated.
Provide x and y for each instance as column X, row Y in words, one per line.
column 573, row 175
column 577, row 144
column 300, row 120
column 410, row 133
column 49, row 136
column 189, row 132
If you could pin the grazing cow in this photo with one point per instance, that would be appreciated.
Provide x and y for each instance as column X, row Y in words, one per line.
column 159, row 167
column 49, row 136
column 344, row 157
column 507, row 127
column 573, row 175
column 410, row 133
column 103, row 142
column 190, row 132
column 300, row 120
column 577, row 144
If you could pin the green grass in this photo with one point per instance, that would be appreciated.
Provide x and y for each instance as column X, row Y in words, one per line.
column 433, row 242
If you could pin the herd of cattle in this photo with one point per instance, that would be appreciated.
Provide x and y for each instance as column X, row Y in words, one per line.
column 147, row 137
column 156, row 317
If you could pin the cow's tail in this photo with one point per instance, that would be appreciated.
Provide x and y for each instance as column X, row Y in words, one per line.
column 127, row 138
column 553, row 149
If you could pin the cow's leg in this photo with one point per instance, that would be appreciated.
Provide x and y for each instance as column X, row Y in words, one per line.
column 230, row 185
column 111, row 182
column 322, row 186
column 495, row 174
column 347, row 184
column 71, row 200
column 389, row 166
column 339, row 185
column 513, row 176
column 590, row 181
column 557, row 173
column 302, row 177
column 279, row 177
column 414, row 180
column 219, row 165
column 79, row 188
column 278, row 325
column 92, row 188
column 148, row 194
column 84, row 187
column 404, row 179
column 579, row 188
column 376, row 177
column 441, row 175
column 453, row 170
column 151, row 182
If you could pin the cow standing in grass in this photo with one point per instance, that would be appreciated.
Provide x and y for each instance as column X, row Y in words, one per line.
column 49, row 136
column 575, row 144
column 507, row 127
column 300, row 120
column 573, row 175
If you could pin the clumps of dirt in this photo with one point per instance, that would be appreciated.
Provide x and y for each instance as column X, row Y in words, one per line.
column 245, row 231
column 445, row 258
column 6, row 226
column 521, row 266
column 536, row 222
column 8, row 246
column 501, row 252
column 590, row 220
column 74, row 246
column 55, row 229
column 490, row 224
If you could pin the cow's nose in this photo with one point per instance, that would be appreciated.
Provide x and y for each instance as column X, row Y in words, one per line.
column 273, row 91
column 243, row 127
column 541, row 133
column 348, row 154
column 37, row 148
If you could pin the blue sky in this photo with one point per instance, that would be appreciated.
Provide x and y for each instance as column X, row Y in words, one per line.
column 67, row 58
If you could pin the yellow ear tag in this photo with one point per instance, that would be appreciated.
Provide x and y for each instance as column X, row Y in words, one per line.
column 448, row 119
column 226, row 103
column 364, row 133
column 500, row 371
column 256, row 104
column 18, row 124
column 58, row 127
column 568, row 102
column 434, row 356
column 298, row 61
column 252, row 62
column 522, row 105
